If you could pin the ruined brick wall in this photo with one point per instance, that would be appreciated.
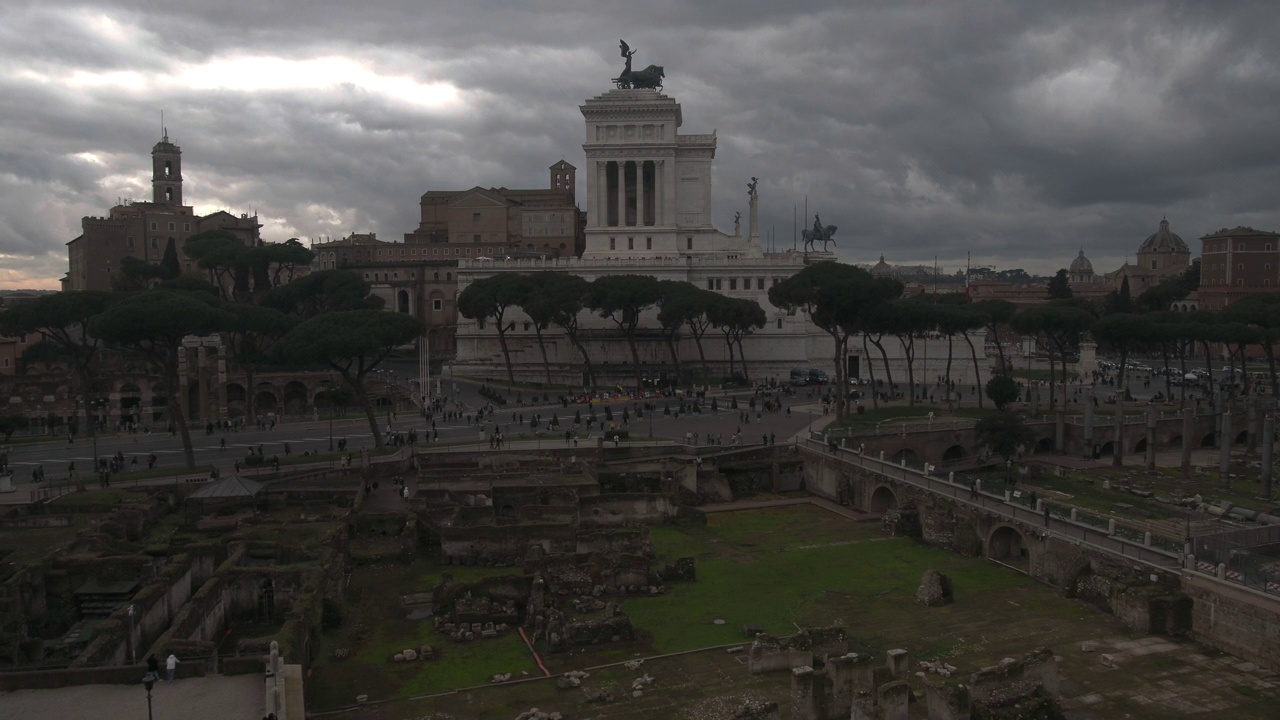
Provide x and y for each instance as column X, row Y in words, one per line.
column 1231, row 617
column 508, row 545
column 621, row 509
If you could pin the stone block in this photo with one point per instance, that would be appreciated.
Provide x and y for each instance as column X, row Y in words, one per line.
column 896, row 661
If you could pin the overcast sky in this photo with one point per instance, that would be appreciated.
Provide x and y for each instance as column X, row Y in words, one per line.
column 1018, row 131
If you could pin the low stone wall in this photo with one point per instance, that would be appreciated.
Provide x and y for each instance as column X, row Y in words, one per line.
column 625, row 508
column 70, row 677
column 1234, row 618
column 770, row 653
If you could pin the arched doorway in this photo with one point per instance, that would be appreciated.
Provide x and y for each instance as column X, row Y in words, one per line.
column 1209, row 440
column 1242, row 438
column 1043, row 445
column 235, row 400
column 265, row 402
column 955, row 452
column 1176, row 441
column 1108, row 448
column 1008, row 546
column 295, row 398
column 1141, row 446
column 130, row 403
column 883, row 500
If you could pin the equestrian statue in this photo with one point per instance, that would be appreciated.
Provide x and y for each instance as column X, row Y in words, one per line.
column 819, row 234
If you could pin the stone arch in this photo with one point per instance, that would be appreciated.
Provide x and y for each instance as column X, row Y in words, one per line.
column 235, row 400
column 1242, row 438
column 1176, row 441
column 1008, row 544
column 1208, row 440
column 883, row 499
column 1043, row 445
column 955, row 452
column 1140, row 446
column 265, row 401
column 295, row 397
column 1108, row 448
column 908, row 456
column 130, row 402
column 402, row 301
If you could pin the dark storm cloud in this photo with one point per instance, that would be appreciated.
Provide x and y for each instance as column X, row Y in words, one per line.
column 1014, row 131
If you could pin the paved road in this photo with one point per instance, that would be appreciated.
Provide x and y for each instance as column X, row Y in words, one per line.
column 311, row 435
column 215, row 697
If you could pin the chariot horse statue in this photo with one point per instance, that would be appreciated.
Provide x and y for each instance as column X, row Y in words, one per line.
column 819, row 234
column 649, row 78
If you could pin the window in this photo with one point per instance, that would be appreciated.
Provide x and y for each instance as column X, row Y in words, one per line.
column 475, row 238
column 153, row 225
column 168, row 168
column 186, row 227
column 401, row 252
column 688, row 243
column 130, row 241
column 435, row 251
column 648, row 244
column 1267, row 246
column 759, row 283
column 173, row 226
column 436, row 277
column 631, row 243
column 475, row 217
column 413, row 276
column 1240, row 266
column 733, row 283
column 1153, row 264
column 779, row 323
column 526, row 327
column 480, row 324
column 717, row 283
column 437, row 305
column 613, row 243
column 154, row 246
column 366, row 276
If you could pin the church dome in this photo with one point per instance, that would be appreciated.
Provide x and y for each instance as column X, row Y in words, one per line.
column 1164, row 240
column 1081, row 265
column 882, row 269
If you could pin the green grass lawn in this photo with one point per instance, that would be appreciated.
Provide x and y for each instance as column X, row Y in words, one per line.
column 800, row 565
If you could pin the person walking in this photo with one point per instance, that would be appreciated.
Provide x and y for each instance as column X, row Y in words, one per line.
column 171, row 666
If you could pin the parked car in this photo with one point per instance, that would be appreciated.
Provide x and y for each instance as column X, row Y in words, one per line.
column 799, row 377
column 818, row 377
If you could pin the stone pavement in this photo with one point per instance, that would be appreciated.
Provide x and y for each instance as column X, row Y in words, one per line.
column 216, row 697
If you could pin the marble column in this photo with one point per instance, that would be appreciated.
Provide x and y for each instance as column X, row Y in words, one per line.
column 640, row 193
column 202, row 383
column 622, row 193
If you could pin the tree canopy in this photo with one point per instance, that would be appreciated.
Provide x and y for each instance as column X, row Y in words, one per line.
column 352, row 342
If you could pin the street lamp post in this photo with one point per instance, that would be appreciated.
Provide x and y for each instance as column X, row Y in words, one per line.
column 149, row 682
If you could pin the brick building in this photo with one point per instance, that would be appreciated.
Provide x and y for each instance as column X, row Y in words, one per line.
column 419, row 275
column 144, row 229
column 1235, row 263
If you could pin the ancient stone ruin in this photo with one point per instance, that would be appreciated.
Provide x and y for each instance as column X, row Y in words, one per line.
column 935, row 589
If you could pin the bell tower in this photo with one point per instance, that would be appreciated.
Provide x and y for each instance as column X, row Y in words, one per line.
column 166, row 172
